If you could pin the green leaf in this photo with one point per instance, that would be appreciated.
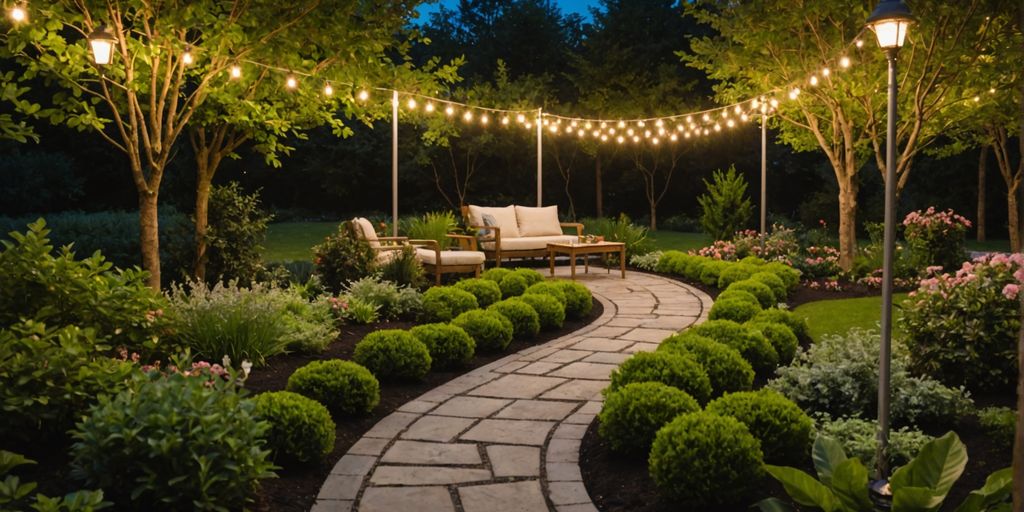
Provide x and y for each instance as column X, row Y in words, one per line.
column 850, row 484
column 827, row 454
column 916, row 499
column 803, row 488
column 997, row 488
column 939, row 464
column 773, row 505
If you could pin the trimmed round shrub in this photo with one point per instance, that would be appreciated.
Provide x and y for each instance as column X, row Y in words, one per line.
column 393, row 354
column 739, row 295
column 754, row 347
column 707, row 460
column 301, row 429
column 531, row 276
column 757, row 289
column 525, row 320
column 737, row 310
column 693, row 268
column 780, row 316
column 491, row 331
column 512, row 285
column 725, row 366
column 632, row 415
column 550, row 311
column 711, row 271
column 578, row 299
column 733, row 273
column 487, row 292
column 495, row 274
column 676, row 370
column 752, row 260
column 442, row 303
column 449, row 345
column 788, row 274
column 549, row 288
column 346, row 388
column 781, row 337
column 773, row 281
column 782, row 427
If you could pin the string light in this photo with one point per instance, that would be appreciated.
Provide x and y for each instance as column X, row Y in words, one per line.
column 18, row 13
column 363, row 95
column 794, row 93
column 706, row 117
column 744, row 117
column 411, row 103
column 826, row 72
column 718, row 128
column 641, row 124
column 429, row 107
column 622, row 124
column 186, row 57
column 730, row 123
column 449, row 111
column 814, row 80
column 654, row 141
column 673, row 137
column 774, row 103
column 844, row 62
column 859, row 43
column 328, row 90
column 467, row 116
column 520, row 118
column 236, row 72
column 504, row 120
column 529, row 125
column 484, row 119
column 291, row 82
column 620, row 139
column 604, row 138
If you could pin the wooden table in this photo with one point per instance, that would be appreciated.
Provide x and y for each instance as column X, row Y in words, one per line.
column 580, row 249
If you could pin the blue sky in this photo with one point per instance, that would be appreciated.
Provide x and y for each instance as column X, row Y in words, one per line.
column 579, row 6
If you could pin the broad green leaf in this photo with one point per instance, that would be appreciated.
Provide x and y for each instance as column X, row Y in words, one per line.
column 916, row 499
column 939, row 464
column 997, row 488
column 827, row 454
column 803, row 488
column 773, row 505
column 850, row 485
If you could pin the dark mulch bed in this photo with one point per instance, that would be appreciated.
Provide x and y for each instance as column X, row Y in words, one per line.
column 295, row 489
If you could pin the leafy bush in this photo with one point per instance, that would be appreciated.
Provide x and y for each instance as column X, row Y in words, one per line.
column 495, row 274
column 392, row 300
column 1000, row 423
column 774, row 282
column 578, row 299
column 173, row 441
column 648, row 262
column 737, row 310
column 694, row 267
column 403, row 269
column 780, row 336
column 443, row 303
column 788, row 274
column 486, row 291
column 512, row 285
column 859, row 438
column 632, row 415
column 531, row 276
column 676, row 370
column 301, row 429
column 432, row 226
column 343, row 257
column 839, row 376
column 739, row 295
column 788, row 318
column 344, row 387
column 15, row 495
column 936, row 238
column 309, row 326
column 724, row 208
column 757, row 289
column 727, row 370
column 449, row 345
column 706, row 459
column 671, row 262
column 491, row 331
column 393, row 354
column 525, row 320
column 549, row 310
column 754, row 347
column 711, row 270
column 783, row 429
column 734, row 273
column 621, row 229
column 549, row 288
column 358, row 312
column 235, row 235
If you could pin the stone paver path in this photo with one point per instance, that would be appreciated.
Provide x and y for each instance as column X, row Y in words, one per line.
column 506, row 436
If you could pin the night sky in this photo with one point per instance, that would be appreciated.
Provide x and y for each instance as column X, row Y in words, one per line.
column 567, row 6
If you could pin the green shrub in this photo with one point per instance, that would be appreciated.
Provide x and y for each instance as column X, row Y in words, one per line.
column 754, row 347
column 936, row 238
column 404, row 269
column 725, row 208
column 739, row 295
column 491, row 331
column 578, row 299
column 757, row 289
column 531, row 276
column 676, row 370
column 670, row 262
column 780, row 336
column 621, row 229
column 737, row 310
column 525, row 320
column 788, row 318
column 727, row 370
column 711, row 270
column 309, row 326
column 549, row 310
column 495, row 274
column 706, row 459
column 1000, row 423
column 512, row 285
column 783, row 428
column 753, row 260
column 236, row 231
column 359, row 312
column 648, row 262
column 733, row 273
column 449, row 345
column 343, row 257
column 486, row 292
column 788, row 274
column 301, row 429
column 549, row 288
column 372, row 290
column 432, row 226
column 774, row 282
column 693, row 268
column 393, row 354
column 632, row 414
column 860, row 439
column 346, row 388
column 17, row 495
column 173, row 441
column 443, row 303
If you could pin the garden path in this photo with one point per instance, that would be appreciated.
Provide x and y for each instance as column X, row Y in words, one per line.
column 506, row 436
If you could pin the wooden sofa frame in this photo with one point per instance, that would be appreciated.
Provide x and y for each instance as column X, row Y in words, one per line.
column 497, row 254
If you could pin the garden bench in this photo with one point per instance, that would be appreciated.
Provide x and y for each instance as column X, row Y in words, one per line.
column 518, row 231
column 429, row 252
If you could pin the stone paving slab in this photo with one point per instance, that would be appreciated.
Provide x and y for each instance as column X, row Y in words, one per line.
column 510, row 431
column 511, row 497
column 390, row 499
column 509, row 460
column 418, row 452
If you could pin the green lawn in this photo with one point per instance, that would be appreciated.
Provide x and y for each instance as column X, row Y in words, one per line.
column 674, row 240
column 295, row 240
column 837, row 316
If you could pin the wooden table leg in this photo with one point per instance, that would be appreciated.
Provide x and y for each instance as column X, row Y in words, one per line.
column 551, row 261
column 572, row 265
column 586, row 263
column 622, row 261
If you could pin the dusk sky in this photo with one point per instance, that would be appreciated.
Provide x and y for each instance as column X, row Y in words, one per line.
column 579, row 6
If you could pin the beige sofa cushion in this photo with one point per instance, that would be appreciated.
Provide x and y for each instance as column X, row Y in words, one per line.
column 366, row 231
column 505, row 217
column 538, row 221
column 530, row 242
column 450, row 257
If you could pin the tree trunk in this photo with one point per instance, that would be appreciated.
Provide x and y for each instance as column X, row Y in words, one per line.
column 848, row 189
column 980, row 224
column 598, row 192
column 149, row 236
column 1013, row 211
column 204, row 181
column 654, row 215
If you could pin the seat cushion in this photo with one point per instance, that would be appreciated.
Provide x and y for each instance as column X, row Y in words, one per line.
column 385, row 257
column 538, row 221
column 530, row 242
column 366, row 232
column 505, row 218
column 450, row 257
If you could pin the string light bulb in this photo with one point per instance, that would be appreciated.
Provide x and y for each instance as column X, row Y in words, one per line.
column 291, row 82
column 826, row 72
column 449, row 111
column 754, row 104
column 844, row 62
column 774, row 103
column 235, row 72
column 744, row 117
column 814, row 80
column 630, row 132
column 718, row 127
column 520, row 118
column 859, row 43
column 467, row 116
column 553, row 128
column 18, row 13
column 504, row 120
column 706, row 117
column 654, row 141
column 429, row 107
column 528, row 125
column 673, row 137
column 186, row 56
column 737, row 109
column 622, row 124
column 794, row 93
column 328, row 90
column 363, row 95
column 659, row 123
column 604, row 138
column 730, row 123
column 620, row 139
column 484, row 119
column 636, row 138
column 641, row 124
column 411, row 103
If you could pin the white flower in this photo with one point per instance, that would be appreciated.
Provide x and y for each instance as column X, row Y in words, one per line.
column 226, row 362
column 246, row 367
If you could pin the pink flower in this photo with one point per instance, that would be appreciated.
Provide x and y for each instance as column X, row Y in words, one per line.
column 1010, row 291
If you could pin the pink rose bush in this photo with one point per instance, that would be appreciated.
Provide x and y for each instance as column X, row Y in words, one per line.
column 936, row 238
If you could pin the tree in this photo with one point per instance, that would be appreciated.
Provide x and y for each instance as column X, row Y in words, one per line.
column 725, row 208
column 777, row 46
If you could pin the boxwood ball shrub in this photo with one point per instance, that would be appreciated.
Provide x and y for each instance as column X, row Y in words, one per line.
column 301, row 429
column 780, row 336
column 632, row 415
column 525, row 320
column 487, row 292
column 393, row 354
column 739, row 295
column 694, row 267
column 549, row 288
column 733, row 273
column 780, row 316
column 754, row 347
column 495, row 274
column 711, row 271
column 676, row 370
column 346, row 388
column 707, row 460
column 737, row 310
column 531, row 276
column 491, row 331
column 550, row 311
column 788, row 274
column 773, row 281
column 443, row 303
column 757, row 289
column 512, row 285
column 449, row 345
column 578, row 299
column 785, row 430
column 727, row 370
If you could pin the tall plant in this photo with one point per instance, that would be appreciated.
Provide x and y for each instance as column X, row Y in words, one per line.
column 725, row 207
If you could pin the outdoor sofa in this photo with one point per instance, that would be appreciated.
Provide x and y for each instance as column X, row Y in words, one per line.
column 518, row 231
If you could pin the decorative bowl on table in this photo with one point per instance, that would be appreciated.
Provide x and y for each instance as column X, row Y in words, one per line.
column 591, row 239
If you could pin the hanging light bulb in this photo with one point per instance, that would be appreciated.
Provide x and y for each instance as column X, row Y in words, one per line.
column 647, row 134
column 363, row 95
column 679, row 128
column 636, row 138
column 528, row 125
column 235, row 72
column 520, row 119
column 730, row 123
column 611, row 131
column 794, row 93
column 858, row 43
column 291, row 82
column 673, row 137
column 826, row 71
column 661, row 131
column 553, row 128
column 449, row 111
column 569, row 129
column 18, row 13
column 754, row 104
column 573, row 124
column 725, row 114
column 587, row 126
column 814, row 80
column 467, row 116
column 504, row 120
column 484, row 119
column 596, row 133
column 774, row 103
column 581, row 133
column 546, row 122
column 328, row 90
column 744, row 117
column 429, row 107
column 629, row 132
column 655, row 141
column 604, row 138
column 706, row 117
column 706, row 131
column 622, row 124
column 411, row 104
column 659, row 123
column 620, row 139
column 689, row 119
column 737, row 109
column 604, row 125
column 186, row 56
column 686, row 135
column 641, row 124
column 844, row 62
column 718, row 127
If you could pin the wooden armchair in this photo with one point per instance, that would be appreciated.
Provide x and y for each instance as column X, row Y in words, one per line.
column 434, row 260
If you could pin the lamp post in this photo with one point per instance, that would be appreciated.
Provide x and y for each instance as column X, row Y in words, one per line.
column 101, row 41
column 890, row 21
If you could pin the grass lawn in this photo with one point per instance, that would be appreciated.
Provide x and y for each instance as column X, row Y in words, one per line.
column 295, row 240
column 675, row 240
column 837, row 316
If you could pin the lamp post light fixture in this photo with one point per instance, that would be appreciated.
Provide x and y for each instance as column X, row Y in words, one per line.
column 102, row 43
column 890, row 21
